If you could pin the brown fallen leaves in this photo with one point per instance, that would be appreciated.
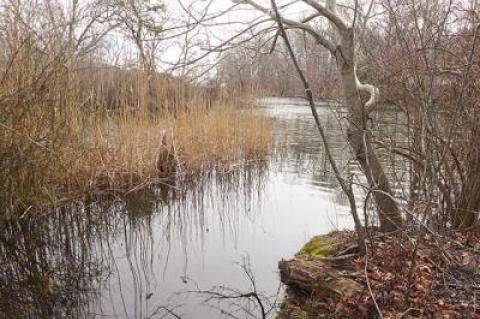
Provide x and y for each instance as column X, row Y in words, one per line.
column 410, row 276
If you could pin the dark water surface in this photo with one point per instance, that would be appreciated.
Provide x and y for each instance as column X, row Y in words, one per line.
column 139, row 257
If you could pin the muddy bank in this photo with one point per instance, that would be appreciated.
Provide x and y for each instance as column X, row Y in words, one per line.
column 401, row 277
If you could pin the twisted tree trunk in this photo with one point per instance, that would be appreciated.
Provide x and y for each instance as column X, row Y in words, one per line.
column 360, row 138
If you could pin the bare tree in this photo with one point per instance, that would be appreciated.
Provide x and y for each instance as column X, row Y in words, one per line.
column 142, row 22
column 342, row 47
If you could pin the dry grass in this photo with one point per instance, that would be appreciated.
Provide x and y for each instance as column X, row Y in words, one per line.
column 220, row 137
column 128, row 152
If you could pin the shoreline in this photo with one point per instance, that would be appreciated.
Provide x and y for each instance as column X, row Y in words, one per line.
column 399, row 278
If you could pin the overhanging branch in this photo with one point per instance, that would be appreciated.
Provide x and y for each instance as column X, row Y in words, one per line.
column 292, row 24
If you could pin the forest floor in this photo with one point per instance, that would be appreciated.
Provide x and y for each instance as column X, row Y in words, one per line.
column 402, row 276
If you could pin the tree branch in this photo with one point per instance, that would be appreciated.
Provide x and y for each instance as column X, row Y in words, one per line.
column 369, row 88
column 329, row 14
column 292, row 24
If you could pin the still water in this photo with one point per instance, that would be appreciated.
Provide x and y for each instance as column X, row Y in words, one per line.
column 150, row 255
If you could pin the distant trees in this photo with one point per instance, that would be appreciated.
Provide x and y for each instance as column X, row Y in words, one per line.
column 269, row 70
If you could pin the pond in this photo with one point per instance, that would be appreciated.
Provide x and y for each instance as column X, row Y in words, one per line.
column 149, row 255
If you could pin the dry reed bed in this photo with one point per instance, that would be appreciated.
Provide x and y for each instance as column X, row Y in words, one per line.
column 122, row 153
column 136, row 149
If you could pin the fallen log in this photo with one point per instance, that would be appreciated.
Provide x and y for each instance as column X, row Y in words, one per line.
column 317, row 277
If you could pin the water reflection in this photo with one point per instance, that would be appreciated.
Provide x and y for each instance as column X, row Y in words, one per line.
column 137, row 258
column 47, row 268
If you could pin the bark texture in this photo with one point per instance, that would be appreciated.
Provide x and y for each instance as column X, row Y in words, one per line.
column 360, row 139
column 317, row 277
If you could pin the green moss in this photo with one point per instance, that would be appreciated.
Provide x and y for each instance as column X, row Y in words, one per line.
column 317, row 247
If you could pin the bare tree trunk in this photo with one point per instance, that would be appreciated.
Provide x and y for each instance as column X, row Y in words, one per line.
column 416, row 168
column 347, row 189
column 359, row 137
column 466, row 214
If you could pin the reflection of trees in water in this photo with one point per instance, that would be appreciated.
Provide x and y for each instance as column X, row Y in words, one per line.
column 142, row 255
column 53, row 266
column 47, row 269
column 299, row 148
column 78, row 261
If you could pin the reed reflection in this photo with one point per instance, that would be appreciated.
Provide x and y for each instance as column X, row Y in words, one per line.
column 48, row 264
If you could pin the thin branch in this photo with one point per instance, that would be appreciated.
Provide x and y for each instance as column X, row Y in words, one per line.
column 292, row 24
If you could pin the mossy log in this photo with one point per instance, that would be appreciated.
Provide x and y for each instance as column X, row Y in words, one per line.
column 318, row 247
column 317, row 277
column 312, row 270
